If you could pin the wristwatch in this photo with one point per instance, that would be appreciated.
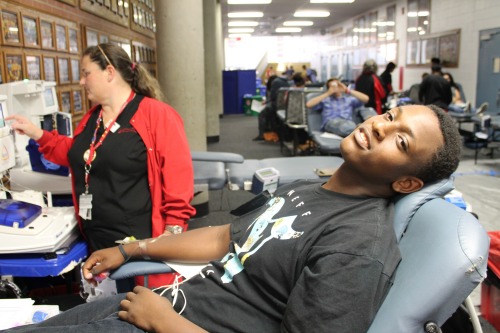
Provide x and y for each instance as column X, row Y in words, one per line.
column 174, row 229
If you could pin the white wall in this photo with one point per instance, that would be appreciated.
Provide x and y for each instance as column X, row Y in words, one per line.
column 470, row 16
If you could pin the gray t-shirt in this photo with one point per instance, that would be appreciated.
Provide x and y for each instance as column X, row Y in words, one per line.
column 309, row 260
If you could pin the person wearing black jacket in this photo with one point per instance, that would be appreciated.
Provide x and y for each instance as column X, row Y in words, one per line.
column 434, row 89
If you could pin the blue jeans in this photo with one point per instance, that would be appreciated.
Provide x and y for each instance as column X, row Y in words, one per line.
column 340, row 126
column 97, row 316
column 455, row 108
column 344, row 127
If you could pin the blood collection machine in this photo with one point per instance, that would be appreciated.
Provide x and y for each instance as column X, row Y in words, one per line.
column 26, row 226
column 37, row 100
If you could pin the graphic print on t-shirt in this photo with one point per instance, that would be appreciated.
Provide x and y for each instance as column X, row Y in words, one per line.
column 280, row 229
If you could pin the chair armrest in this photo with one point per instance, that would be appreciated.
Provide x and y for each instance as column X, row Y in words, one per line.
column 296, row 126
column 209, row 156
column 140, row 267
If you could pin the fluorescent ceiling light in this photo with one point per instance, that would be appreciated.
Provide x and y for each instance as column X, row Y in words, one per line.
column 421, row 13
column 243, row 23
column 238, row 35
column 384, row 23
column 364, row 30
column 312, row 13
column 332, row 1
column 288, row 30
column 240, row 30
column 248, row 2
column 298, row 23
column 245, row 14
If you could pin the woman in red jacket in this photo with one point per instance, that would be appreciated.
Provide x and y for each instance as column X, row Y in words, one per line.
column 130, row 161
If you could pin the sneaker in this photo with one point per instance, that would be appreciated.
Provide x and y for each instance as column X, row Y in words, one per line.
column 467, row 107
column 271, row 137
column 482, row 108
column 258, row 138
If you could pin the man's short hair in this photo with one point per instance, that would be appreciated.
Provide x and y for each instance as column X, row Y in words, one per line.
column 327, row 83
column 446, row 158
column 436, row 68
column 435, row 60
column 298, row 79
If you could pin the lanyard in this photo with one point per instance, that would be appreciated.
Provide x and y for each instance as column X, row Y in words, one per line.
column 90, row 153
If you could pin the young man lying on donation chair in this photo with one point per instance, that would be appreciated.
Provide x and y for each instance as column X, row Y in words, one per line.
column 316, row 257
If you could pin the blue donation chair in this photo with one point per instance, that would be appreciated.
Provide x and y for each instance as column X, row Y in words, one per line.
column 326, row 143
column 486, row 135
column 444, row 256
column 444, row 253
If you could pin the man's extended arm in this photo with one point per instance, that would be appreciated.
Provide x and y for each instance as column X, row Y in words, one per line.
column 316, row 100
column 195, row 246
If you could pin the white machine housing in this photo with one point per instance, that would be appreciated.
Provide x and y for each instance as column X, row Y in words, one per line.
column 56, row 227
column 7, row 148
column 36, row 100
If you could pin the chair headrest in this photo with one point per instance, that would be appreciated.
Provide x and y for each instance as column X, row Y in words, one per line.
column 311, row 94
column 406, row 205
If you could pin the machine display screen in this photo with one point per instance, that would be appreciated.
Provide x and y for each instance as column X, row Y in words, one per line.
column 48, row 97
column 266, row 173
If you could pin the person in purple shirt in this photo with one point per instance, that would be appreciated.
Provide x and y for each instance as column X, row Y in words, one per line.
column 339, row 104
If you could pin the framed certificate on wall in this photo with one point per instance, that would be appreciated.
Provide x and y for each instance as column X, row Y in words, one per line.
column 77, row 99
column 31, row 32
column 73, row 40
column 63, row 70
column 75, row 70
column 47, row 35
column 49, row 68
column 65, row 100
column 33, row 66
column 11, row 33
column 14, row 66
column 61, row 38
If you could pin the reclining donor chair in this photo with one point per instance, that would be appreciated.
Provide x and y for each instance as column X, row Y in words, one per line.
column 444, row 253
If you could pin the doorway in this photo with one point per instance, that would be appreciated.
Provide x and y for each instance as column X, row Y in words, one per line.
column 488, row 78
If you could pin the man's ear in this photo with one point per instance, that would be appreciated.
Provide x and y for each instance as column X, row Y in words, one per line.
column 407, row 184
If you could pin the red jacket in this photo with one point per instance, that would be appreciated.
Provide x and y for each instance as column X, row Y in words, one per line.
column 170, row 169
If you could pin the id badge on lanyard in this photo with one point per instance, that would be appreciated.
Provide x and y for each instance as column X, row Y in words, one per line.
column 85, row 206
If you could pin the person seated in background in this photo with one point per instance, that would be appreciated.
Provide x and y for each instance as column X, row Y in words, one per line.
column 371, row 85
column 316, row 255
column 266, row 116
column 298, row 80
column 434, row 89
column 457, row 104
column 339, row 104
